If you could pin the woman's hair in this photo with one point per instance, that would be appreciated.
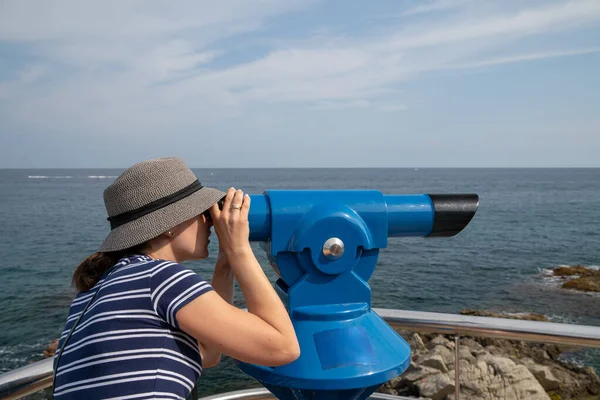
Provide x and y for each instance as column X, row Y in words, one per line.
column 88, row 273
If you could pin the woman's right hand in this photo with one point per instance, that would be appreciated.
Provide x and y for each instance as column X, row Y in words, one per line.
column 231, row 223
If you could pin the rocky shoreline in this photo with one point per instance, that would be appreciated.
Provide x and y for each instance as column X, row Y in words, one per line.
column 578, row 277
column 491, row 369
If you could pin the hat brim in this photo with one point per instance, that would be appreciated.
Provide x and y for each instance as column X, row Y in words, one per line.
column 154, row 224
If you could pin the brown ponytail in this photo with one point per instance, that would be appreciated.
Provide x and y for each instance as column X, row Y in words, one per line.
column 88, row 273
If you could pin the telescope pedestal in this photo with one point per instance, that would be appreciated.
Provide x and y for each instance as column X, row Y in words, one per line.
column 348, row 351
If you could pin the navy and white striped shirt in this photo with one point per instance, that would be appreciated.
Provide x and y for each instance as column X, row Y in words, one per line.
column 128, row 344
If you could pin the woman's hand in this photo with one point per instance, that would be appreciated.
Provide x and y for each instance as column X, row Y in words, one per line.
column 231, row 223
column 264, row 334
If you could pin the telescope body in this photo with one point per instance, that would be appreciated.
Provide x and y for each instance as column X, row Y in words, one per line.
column 324, row 247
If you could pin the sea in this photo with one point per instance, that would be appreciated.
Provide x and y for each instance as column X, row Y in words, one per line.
column 528, row 222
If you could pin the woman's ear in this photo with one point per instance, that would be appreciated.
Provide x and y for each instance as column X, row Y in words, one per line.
column 203, row 219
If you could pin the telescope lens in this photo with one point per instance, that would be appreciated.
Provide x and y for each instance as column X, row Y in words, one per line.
column 452, row 213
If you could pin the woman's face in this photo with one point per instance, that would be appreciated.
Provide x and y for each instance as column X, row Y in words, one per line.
column 191, row 238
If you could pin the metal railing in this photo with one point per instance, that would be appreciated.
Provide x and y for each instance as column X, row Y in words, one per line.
column 29, row 379
column 37, row 376
column 264, row 394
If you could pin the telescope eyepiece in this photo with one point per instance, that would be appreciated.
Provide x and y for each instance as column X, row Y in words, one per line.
column 207, row 212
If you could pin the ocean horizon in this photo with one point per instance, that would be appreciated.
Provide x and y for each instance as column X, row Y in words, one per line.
column 529, row 221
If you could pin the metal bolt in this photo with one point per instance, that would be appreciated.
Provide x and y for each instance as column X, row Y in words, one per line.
column 333, row 248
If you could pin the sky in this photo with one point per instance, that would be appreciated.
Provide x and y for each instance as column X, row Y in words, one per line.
column 300, row 83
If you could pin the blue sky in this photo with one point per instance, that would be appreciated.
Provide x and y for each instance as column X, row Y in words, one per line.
column 299, row 83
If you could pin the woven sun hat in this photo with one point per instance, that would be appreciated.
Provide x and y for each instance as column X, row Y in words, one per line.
column 152, row 197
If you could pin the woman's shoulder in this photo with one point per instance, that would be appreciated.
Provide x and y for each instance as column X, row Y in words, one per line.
column 137, row 264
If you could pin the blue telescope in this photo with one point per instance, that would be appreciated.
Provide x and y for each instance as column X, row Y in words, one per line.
column 324, row 247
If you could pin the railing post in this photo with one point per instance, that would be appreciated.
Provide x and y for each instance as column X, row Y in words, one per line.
column 457, row 367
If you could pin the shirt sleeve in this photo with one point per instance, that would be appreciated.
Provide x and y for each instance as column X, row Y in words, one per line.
column 172, row 286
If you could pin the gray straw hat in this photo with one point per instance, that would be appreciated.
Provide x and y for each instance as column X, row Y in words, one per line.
column 152, row 197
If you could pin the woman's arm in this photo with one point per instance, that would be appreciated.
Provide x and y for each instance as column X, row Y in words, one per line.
column 222, row 282
column 264, row 334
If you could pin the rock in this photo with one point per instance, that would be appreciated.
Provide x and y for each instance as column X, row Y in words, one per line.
column 592, row 374
column 434, row 361
column 567, row 380
column 494, row 350
column 499, row 378
column 447, row 355
column 527, row 361
column 465, row 354
column 544, row 376
column 576, row 382
column 523, row 316
column 416, row 343
column 51, row 349
column 477, row 353
column 499, row 364
column 594, row 385
column 585, row 284
column 540, row 355
column 493, row 369
column 580, row 278
column 573, row 270
column 387, row 390
column 436, row 387
column 470, row 343
column 403, row 385
column 436, row 341
column 420, row 373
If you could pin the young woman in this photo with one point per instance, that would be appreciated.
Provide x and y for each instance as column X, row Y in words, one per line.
column 145, row 324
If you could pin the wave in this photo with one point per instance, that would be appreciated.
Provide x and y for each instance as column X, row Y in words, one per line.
column 48, row 177
column 70, row 177
column 21, row 354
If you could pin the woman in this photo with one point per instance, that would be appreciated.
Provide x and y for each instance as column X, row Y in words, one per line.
column 149, row 325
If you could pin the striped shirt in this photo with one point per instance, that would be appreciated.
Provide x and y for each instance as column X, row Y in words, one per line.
column 128, row 344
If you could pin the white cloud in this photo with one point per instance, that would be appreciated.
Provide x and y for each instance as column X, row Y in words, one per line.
column 523, row 57
column 145, row 66
column 436, row 6
column 548, row 19
column 130, row 20
column 359, row 70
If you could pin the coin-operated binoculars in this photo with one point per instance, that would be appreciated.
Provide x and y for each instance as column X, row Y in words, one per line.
column 324, row 246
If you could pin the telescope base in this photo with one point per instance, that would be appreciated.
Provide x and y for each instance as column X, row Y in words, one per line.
column 347, row 352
